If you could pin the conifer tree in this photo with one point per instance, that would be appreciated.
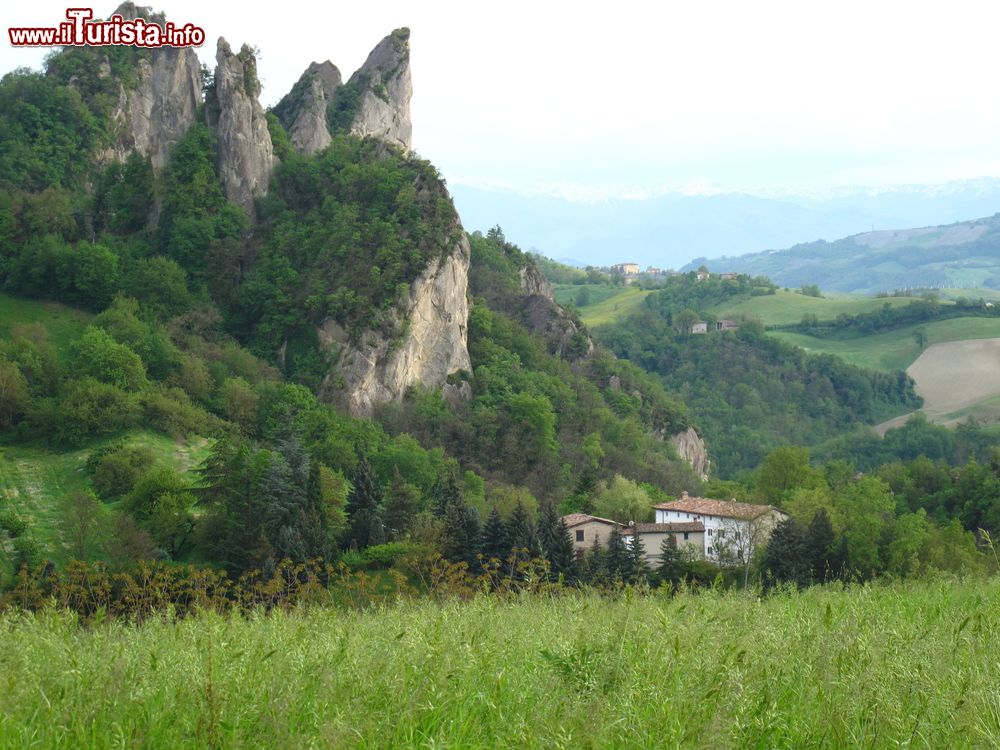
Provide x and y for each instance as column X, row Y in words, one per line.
column 635, row 559
column 787, row 556
column 671, row 567
column 557, row 546
column 820, row 539
column 496, row 543
column 364, row 507
column 522, row 535
column 616, row 557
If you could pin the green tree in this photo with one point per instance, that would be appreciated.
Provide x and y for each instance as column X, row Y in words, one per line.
column 556, row 544
column 364, row 505
column 101, row 357
column 496, row 544
column 787, row 557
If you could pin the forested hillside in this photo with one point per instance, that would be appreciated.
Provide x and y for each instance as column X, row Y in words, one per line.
column 197, row 322
column 751, row 392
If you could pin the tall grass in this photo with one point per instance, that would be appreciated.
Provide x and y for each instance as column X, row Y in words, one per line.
column 909, row 665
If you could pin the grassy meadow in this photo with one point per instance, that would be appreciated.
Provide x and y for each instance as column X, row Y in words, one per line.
column 607, row 303
column 885, row 665
column 36, row 480
column 895, row 350
column 787, row 307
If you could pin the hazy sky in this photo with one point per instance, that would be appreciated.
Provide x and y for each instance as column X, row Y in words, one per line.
column 638, row 95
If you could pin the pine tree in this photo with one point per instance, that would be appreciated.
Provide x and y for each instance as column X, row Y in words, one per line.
column 616, row 557
column 820, row 538
column 635, row 559
column 400, row 506
column 364, row 507
column 787, row 555
column 461, row 533
column 593, row 564
column 557, row 546
column 521, row 534
column 672, row 567
column 496, row 543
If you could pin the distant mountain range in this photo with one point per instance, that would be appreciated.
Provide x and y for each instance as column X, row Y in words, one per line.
column 963, row 254
column 671, row 229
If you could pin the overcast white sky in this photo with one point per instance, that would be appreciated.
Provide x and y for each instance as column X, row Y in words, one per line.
column 629, row 94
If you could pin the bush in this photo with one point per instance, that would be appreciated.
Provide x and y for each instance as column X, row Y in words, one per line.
column 115, row 469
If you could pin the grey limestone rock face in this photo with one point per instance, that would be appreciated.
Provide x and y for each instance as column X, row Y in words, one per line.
column 154, row 114
column 690, row 447
column 303, row 110
column 434, row 344
column 385, row 88
column 547, row 317
column 246, row 157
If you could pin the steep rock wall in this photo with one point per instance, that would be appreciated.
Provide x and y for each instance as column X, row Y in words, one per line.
column 434, row 343
column 384, row 88
column 246, row 157
column 155, row 113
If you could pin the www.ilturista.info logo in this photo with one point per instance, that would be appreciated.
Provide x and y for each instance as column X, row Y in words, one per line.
column 79, row 31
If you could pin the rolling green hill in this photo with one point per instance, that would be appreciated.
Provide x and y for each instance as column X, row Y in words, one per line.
column 606, row 304
column 894, row 350
column 787, row 307
column 965, row 255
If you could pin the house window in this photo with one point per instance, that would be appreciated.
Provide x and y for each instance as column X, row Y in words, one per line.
column 579, row 535
column 686, row 534
column 710, row 532
column 722, row 532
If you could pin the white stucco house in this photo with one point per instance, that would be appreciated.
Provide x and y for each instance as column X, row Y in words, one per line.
column 732, row 530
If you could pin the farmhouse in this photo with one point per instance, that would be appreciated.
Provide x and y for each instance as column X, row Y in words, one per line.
column 728, row 276
column 703, row 275
column 584, row 529
column 726, row 325
column 732, row 530
column 628, row 269
column 689, row 535
column 699, row 326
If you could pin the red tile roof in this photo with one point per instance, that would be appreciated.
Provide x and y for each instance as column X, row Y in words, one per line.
column 665, row 528
column 705, row 506
column 575, row 519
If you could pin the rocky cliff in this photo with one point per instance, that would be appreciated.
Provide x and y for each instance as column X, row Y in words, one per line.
column 155, row 112
column 302, row 111
column 246, row 157
column 692, row 449
column 433, row 344
column 383, row 87
column 565, row 336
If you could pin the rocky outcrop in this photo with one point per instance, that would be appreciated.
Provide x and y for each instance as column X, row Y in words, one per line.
column 533, row 282
column 691, row 448
column 157, row 110
column 434, row 343
column 303, row 110
column 383, row 87
column 540, row 311
column 246, row 157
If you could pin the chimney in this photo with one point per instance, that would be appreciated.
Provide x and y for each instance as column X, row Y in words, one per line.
column 684, row 495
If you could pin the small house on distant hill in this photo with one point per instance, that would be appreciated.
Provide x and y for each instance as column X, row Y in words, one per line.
column 703, row 275
column 726, row 325
column 699, row 326
column 728, row 276
column 627, row 269
column 584, row 529
column 732, row 530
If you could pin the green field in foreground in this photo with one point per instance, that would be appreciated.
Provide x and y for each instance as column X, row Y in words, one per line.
column 871, row 666
column 785, row 308
column 895, row 350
